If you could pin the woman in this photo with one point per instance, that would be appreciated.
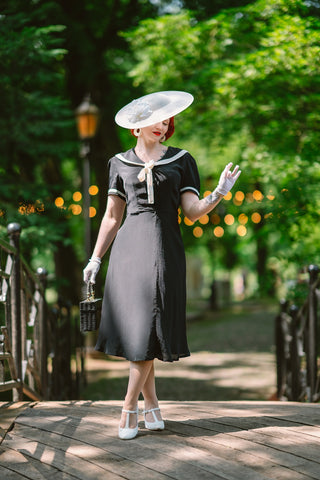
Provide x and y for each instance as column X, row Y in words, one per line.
column 143, row 311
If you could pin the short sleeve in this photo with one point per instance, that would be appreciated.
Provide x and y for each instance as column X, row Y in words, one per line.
column 190, row 179
column 115, row 180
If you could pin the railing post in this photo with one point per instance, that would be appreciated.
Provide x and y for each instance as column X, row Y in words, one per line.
column 294, row 355
column 311, row 352
column 280, row 351
column 43, row 333
column 14, row 231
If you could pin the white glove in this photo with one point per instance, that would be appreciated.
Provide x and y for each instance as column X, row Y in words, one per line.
column 91, row 270
column 227, row 179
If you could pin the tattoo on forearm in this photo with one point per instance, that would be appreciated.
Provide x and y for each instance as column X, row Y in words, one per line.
column 212, row 198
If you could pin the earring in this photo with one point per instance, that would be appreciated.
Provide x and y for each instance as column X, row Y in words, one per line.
column 137, row 132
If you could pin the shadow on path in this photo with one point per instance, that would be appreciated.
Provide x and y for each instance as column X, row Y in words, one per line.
column 232, row 358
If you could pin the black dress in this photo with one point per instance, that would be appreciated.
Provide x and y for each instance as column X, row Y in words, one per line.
column 144, row 302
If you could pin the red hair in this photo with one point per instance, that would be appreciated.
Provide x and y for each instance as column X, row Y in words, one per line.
column 170, row 130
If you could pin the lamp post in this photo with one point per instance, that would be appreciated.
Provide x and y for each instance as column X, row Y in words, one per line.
column 87, row 116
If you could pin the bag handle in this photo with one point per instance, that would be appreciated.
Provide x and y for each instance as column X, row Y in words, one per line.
column 90, row 291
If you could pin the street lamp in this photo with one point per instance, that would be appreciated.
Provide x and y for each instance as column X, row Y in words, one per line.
column 87, row 116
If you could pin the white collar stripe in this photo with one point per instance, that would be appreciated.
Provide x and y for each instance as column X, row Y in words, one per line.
column 184, row 189
column 159, row 162
column 114, row 191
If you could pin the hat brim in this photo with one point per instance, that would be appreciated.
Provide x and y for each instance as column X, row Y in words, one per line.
column 175, row 102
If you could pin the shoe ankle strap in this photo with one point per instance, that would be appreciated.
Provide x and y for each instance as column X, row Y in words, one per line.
column 130, row 411
column 151, row 410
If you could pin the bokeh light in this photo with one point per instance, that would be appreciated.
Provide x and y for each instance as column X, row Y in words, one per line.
column 188, row 222
column 77, row 196
column 59, row 202
column 256, row 217
column 92, row 212
column 215, row 219
column 75, row 209
column 218, row 232
column 204, row 219
column 229, row 219
column 243, row 219
column 93, row 190
column 239, row 196
column 257, row 195
column 197, row 232
column 241, row 231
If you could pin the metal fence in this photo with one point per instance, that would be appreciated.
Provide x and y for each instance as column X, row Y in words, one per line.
column 297, row 345
column 41, row 347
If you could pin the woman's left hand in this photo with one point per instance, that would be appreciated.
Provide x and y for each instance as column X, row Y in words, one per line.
column 227, row 179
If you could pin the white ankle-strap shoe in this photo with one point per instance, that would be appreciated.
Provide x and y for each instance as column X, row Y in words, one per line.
column 157, row 424
column 127, row 433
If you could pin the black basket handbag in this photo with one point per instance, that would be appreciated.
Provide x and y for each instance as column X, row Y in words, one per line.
column 90, row 311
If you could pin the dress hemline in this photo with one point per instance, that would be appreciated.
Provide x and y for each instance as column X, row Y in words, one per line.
column 181, row 355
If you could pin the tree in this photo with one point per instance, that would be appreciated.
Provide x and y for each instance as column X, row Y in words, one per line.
column 37, row 124
column 254, row 72
column 53, row 52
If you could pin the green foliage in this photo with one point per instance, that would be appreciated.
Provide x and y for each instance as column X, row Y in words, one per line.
column 37, row 126
column 254, row 72
column 253, row 67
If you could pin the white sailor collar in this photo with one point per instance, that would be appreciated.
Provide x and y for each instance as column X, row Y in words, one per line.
column 140, row 163
column 146, row 172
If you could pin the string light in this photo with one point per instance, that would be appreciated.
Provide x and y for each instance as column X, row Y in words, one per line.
column 75, row 209
column 256, row 217
column 241, row 231
column 93, row 190
column 243, row 219
column 59, row 202
column 215, row 219
column 204, row 219
column 77, row 196
column 239, row 196
column 197, row 232
column 218, row 232
column 257, row 195
column 188, row 222
column 229, row 219
column 92, row 212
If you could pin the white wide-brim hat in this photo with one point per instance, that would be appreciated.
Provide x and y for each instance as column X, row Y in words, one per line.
column 153, row 108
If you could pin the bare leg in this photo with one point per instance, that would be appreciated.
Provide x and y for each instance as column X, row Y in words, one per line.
column 139, row 372
column 150, row 396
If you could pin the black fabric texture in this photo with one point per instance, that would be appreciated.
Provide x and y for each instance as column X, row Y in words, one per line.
column 144, row 304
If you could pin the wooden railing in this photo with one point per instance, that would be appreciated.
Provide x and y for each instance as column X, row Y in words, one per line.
column 297, row 346
column 38, row 342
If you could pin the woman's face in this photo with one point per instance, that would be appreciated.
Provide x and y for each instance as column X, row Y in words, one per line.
column 156, row 132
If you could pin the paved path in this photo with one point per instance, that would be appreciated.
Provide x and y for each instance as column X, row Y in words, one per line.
column 202, row 440
column 232, row 358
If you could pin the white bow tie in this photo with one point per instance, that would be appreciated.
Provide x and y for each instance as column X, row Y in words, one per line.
column 146, row 171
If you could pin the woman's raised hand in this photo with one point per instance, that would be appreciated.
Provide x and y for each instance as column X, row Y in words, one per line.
column 227, row 179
